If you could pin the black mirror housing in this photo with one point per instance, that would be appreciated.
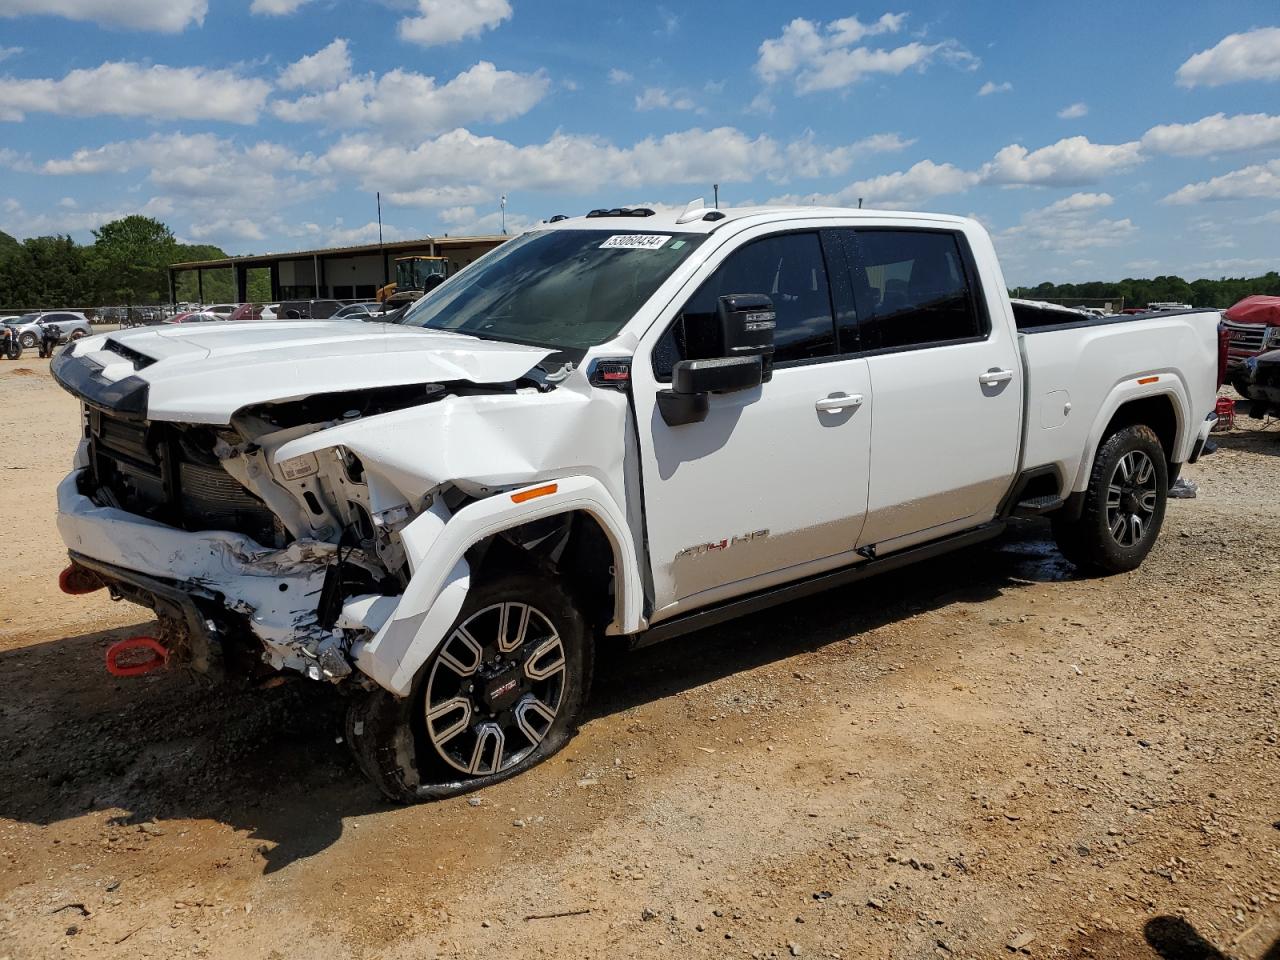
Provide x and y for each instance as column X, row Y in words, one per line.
column 747, row 322
column 742, row 358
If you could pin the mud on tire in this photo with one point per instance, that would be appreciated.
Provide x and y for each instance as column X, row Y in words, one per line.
column 1124, row 504
column 503, row 692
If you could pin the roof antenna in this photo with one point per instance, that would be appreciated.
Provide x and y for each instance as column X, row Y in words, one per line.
column 715, row 187
column 859, row 203
column 693, row 211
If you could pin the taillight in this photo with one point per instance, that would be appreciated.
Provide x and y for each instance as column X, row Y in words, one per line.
column 1224, row 342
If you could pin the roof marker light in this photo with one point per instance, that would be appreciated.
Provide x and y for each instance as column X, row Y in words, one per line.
column 1143, row 381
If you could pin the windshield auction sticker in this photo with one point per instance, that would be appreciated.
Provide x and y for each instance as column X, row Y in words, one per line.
column 635, row 241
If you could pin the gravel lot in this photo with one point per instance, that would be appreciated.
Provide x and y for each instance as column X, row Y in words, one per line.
column 978, row 757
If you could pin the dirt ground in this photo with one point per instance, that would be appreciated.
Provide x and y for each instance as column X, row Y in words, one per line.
column 977, row 757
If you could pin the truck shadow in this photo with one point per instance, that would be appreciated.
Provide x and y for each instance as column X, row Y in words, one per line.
column 1252, row 439
column 1174, row 938
column 270, row 763
column 1021, row 556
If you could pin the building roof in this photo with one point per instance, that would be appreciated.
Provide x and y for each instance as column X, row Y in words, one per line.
column 367, row 249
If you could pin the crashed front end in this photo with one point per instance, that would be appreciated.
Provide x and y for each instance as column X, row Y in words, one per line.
column 287, row 537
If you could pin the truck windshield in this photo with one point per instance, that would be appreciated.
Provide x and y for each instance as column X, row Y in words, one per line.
column 562, row 289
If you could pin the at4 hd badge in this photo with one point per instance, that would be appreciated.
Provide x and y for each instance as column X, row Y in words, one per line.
column 719, row 546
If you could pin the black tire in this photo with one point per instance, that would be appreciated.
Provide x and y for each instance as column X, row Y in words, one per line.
column 389, row 735
column 1116, row 530
column 28, row 340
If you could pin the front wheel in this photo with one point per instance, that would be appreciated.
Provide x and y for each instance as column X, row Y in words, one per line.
column 503, row 692
column 1124, row 504
column 28, row 340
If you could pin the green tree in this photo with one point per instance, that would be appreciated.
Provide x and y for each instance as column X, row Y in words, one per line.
column 8, row 246
column 131, row 257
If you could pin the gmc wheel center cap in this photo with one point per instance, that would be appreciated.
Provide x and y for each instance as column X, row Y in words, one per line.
column 503, row 688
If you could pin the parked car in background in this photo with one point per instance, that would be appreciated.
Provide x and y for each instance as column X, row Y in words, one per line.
column 72, row 325
column 308, row 309
column 223, row 310
column 1253, row 325
column 1258, row 379
column 359, row 311
column 247, row 311
column 269, row 311
column 197, row 316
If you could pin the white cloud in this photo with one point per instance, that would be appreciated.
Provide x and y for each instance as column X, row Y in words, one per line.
column 1073, row 161
column 448, row 21
column 162, row 16
column 410, row 104
column 1215, row 134
column 990, row 87
column 126, row 89
column 1074, row 112
column 1260, row 181
column 827, row 56
column 463, row 168
column 900, row 190
column 761, row 103
column 275, row 8
column 1068, row 225
column 7, row 52
column 226, row 190
column 321, row 70
column 655, row 98
column 617, row 76
column 1254, row 55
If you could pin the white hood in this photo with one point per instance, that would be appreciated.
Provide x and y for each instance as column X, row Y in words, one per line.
column 205, row 372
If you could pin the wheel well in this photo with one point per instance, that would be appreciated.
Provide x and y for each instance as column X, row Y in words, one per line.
column 572, row 546
column 1158, row 413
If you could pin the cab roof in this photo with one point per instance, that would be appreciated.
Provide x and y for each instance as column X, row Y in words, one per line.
column 698, row 218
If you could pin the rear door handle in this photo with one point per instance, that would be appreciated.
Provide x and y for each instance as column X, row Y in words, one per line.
column 992, row 377
column 839, row 402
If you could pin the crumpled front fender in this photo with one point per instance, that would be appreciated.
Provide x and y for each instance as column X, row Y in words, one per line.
column 436, row 544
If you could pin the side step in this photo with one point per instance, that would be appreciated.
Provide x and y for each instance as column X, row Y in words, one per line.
column 1037, row 506
column 753, row 602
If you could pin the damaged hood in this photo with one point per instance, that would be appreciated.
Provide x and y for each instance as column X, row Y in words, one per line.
column 205, row 372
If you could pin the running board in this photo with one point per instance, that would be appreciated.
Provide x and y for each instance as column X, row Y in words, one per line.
column 762, row 600
column 1037, row 506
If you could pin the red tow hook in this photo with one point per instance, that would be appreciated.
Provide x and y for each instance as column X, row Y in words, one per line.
column 76, row 580
column 137, row 668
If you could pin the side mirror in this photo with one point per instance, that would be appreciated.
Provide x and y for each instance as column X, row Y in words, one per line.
column 743, row 345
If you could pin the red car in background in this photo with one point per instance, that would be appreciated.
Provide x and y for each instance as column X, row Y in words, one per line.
column 247, row 311
column 1253, row 326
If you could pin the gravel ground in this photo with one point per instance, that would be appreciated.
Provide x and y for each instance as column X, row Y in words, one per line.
column 982, row 756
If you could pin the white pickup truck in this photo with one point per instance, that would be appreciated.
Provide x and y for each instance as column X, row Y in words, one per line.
column 627, row 425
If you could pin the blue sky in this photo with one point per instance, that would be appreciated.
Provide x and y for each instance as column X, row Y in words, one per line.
column 1095, row 140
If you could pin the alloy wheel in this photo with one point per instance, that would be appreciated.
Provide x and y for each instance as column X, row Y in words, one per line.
column 495, row 689
column 1132, row 497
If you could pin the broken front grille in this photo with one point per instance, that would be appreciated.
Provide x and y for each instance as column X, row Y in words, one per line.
column 166, row 472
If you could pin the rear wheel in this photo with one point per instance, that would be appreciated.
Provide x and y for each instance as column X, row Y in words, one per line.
column 28, row 340
column 503, row 692
column 1124, row 504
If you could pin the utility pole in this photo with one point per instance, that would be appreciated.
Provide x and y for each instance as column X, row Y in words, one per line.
column 382, row 254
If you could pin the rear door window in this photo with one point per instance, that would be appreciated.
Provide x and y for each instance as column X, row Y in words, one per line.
column 912, row 289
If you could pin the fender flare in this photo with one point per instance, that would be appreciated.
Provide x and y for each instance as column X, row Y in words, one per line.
column 436, row 543
column 1168, row 384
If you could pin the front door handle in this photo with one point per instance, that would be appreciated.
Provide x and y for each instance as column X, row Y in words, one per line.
column 993, row 377
column 838, row 402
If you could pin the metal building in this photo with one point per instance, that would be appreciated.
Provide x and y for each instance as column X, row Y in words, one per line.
column 340, row 273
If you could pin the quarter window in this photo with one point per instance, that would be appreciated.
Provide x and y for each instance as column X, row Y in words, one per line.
column 912, row 289
column 790, row 269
